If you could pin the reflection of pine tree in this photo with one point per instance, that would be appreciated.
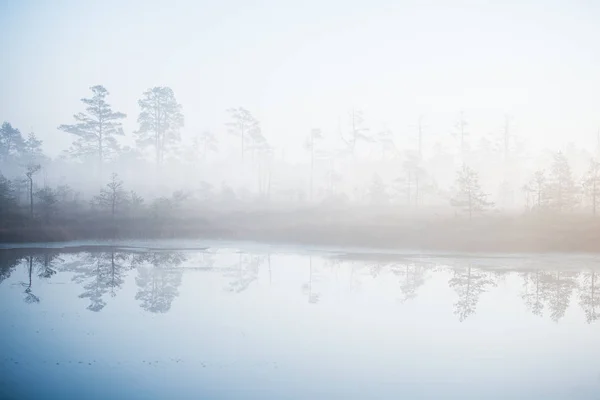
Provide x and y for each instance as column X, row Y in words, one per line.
column 589, row 296
column 101, row 273
column 533, row 291
column 413, row 277
column 245, row 273
column 469, row 284
column 558, row 289
column 158, row 281
column 307, row 288
column 29, row 296
column 92, row 273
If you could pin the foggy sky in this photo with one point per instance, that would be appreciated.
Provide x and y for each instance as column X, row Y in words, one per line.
column 305, row 64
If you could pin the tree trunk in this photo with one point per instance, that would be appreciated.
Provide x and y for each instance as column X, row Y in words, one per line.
column 31, row 198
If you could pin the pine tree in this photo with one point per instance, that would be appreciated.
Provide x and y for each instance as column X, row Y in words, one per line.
column 562, row 191
column 160, row 120
column 96, row 129
column 469, row 197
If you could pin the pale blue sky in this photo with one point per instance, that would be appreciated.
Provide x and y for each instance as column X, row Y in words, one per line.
column 299, row 65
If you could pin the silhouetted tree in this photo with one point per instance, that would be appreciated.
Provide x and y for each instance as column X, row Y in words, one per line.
column 160, row 120
column 32, row 149
column 241, row 125
column 591, row 184
column 562, row 192
column 96, row 129
column 469, row 197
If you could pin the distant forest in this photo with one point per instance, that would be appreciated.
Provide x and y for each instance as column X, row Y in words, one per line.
column 37, row 203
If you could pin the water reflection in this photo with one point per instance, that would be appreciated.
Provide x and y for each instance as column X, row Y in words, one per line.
column 469, row 284
column 158, row 280
column 155, row 278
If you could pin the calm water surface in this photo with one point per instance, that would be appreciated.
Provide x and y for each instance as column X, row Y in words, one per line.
column 271, row 323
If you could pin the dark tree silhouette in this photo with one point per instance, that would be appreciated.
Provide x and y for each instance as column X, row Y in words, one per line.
column 160, row 120
column 469, row 284
column 96, row 129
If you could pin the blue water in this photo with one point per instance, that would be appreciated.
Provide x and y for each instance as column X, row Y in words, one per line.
column 275, row 323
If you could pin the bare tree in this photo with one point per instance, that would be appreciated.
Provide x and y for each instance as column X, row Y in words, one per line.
column 96, row 128
column 469, row 197
column 160, row 120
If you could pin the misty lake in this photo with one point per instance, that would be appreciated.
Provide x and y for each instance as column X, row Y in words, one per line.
column 227, row 320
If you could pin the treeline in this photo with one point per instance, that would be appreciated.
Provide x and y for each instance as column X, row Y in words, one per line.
column 31, row 208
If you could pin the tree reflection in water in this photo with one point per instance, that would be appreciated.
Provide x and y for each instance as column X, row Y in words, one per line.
column 159, row 275
column 469, row 283
column 158, row 280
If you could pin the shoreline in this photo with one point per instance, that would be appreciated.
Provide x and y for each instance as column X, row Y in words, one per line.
column 499, row 235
